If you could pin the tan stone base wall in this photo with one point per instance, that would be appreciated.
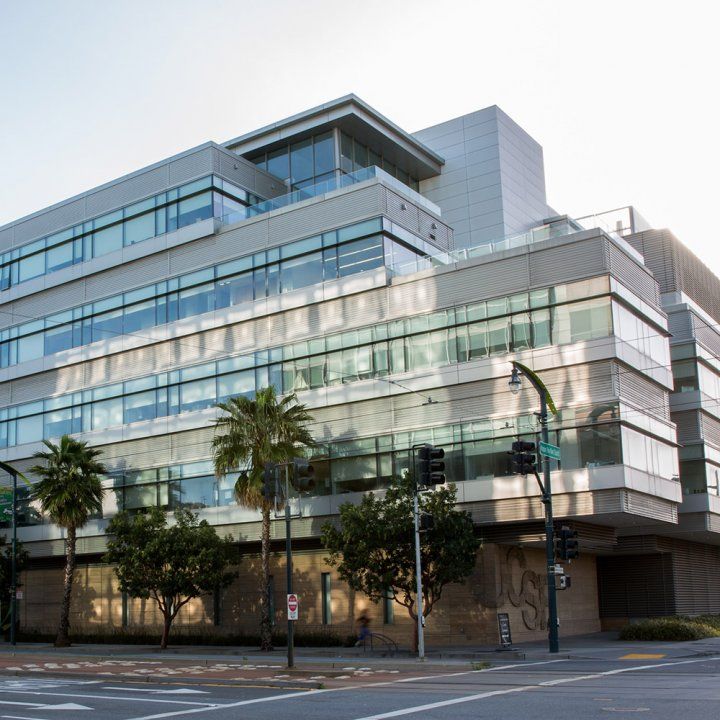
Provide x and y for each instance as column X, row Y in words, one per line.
column 506, row 579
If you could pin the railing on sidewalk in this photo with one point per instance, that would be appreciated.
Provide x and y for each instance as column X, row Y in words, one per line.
column 379, row 642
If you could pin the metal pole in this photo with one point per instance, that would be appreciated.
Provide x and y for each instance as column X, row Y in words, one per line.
column 13, row 578
column 289, row 568
column 418, row 572
column 553, row 642
column 418, row 565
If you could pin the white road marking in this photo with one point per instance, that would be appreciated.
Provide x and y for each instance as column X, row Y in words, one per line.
column 20, row 717
column 523, row 688
column 43, row 706
column 110, row 697
column 179, row 691
column 273, row 698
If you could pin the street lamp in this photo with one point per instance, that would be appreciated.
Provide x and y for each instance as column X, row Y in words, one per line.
column 546, row 402
column 515, row 383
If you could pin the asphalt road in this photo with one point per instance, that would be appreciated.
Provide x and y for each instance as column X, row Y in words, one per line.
column 587, row 689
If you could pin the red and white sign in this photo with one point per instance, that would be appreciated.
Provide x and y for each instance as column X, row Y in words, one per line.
column 292, row 604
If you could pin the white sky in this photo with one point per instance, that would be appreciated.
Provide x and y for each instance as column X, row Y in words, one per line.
column 624, row 97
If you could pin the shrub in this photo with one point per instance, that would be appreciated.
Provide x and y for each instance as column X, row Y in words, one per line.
column 142, row 636
column 671, row 629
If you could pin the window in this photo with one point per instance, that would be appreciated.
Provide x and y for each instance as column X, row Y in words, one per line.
column 108, row 240
column 326, row 599
column 59, row 257
column 58, row 339
column 196, row 300
column 107, row 413
column 278, row 163
column 324, row 154
column 29, row 429
column 30, row 347
column 240, row 383
column 107, row 326
column 30, row 267
column 361, row 255
column 140, row 406
column 194, row 209
column 196, row 493
column 140, row 228
column 197, row 395
column 301, row 160
column 301, row 271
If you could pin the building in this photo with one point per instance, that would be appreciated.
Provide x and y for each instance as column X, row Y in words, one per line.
column 368, row 269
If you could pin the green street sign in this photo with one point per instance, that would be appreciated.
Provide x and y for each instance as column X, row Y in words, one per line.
column 550, row 451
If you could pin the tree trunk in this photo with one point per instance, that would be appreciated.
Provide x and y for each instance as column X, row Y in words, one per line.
column 166, row 631
column 63, row 639
column 265, row 624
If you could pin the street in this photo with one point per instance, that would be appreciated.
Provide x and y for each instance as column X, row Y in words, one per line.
column 563, row 688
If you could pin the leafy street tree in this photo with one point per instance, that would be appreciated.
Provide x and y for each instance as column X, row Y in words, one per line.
column 373, row 547
column 249, row 434
column 69, row 491
column 170, row 564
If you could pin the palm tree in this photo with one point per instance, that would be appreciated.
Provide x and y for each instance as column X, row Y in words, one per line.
column 249, row 434
column 69, row 491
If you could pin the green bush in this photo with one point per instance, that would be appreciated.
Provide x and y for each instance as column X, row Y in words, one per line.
column 672, row 629
column 178, row 637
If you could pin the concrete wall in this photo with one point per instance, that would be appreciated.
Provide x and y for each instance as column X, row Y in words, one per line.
column 506, row 579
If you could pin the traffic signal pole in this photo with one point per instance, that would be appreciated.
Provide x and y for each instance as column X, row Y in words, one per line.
column 546, row 491
column 418, row 567
column 553, row 636
column 289, row 568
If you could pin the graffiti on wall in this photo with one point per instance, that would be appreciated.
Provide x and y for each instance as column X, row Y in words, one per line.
column 520, row 587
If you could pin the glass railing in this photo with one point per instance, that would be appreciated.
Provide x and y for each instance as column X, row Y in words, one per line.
column 307, row 193
column 322, row 188
column 559, row 228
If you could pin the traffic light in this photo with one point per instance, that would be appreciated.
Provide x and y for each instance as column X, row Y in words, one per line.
column 566, row 544
column 565, row 582
column 431, row 467
column 426, row 522
column 524, row 461
column 268, row 482
column 303, row 476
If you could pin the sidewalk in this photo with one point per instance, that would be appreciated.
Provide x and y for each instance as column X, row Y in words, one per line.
column 314, row 667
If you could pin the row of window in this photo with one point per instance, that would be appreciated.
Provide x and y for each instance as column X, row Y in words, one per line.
column 201, row 386
column 157, row 215
column 313, row 160
column 279, row 270
column 692, row 375
column 588, row 437
column 589, row 446
column 302, row 163
column 355, row 155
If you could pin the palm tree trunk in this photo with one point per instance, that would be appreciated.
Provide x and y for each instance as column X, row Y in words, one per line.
column 265, row 624
column 63, row 639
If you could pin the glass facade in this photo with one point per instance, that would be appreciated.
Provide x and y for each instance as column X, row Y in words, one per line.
column 316, row 159
column 589, row 437
column 168, row 211
column 335, row 254
column 457, row 335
